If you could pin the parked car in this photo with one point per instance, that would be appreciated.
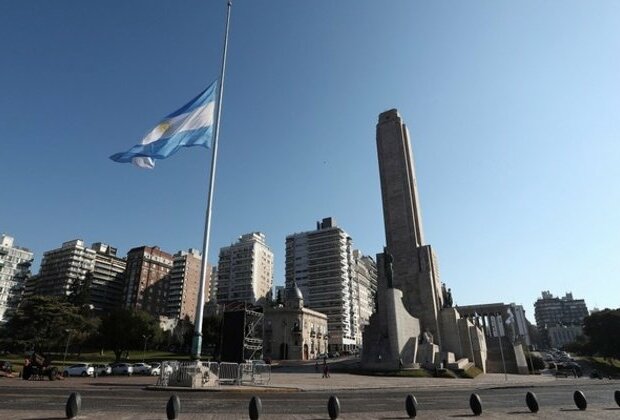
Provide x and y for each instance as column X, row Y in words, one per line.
column 122, row 369
column 5, row 366
column 141, row 369
column 102, row 370
column 333, row 354
column 156, row 369
column 81, row 369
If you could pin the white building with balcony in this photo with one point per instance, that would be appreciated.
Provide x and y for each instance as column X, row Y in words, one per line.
column 14, row 271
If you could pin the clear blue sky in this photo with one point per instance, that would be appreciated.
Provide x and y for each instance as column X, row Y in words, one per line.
column 513, row 107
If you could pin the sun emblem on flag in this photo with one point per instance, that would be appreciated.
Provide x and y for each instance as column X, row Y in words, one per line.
column 163, row 127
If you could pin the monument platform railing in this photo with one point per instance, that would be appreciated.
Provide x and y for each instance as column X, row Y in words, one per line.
column 209, row 374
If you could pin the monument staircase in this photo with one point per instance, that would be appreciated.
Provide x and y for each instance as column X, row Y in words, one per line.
column 494, row 356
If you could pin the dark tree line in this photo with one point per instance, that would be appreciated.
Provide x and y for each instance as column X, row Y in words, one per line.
column 601, row 335
column 47, row 324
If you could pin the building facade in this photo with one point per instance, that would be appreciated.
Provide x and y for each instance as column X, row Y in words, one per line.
column 245, row 271
column 64, row 270
column 322, row 264
column 108, row 279
column 184, row 284
column 559, row 320
column 146, row 276
column 364, row 287
column 294, row 332
column 14, row 272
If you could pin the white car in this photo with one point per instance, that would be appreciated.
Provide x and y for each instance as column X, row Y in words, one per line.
column 102, row 370
column 122, row 369
column 141, row 369
column 81, row 369
column 156, row 369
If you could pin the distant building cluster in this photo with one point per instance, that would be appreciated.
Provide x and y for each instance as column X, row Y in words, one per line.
column 338, row 283
column 559, row 319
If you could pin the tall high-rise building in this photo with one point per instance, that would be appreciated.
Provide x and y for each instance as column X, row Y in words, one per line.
column 245, row 271
column 559, row 320
column 14, row 271
column 415, row 268
column 364, row 288
column 184, row 284
column 64, row 270
column 334, row 279
column 146, row 268
column 108, row 279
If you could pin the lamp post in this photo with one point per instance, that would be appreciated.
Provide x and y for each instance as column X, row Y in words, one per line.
column 146, row 337
column 64, row 359
column 499, row 337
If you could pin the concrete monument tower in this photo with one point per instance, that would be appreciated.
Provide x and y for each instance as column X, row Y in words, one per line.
column 415, row 267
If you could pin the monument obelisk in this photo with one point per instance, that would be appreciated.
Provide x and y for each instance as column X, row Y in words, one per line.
column 415, row 268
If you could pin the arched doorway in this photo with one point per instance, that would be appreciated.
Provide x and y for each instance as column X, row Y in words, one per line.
column 305, row 352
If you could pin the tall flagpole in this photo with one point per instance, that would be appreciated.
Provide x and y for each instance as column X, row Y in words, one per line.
column 197, row 341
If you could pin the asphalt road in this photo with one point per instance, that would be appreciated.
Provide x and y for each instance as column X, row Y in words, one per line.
column 556, row 400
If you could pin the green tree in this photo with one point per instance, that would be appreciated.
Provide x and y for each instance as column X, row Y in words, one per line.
column 602, row 328
column 79, row 292
column 42, row 323
column 181, row 336
column 124, row 329
column 211, row 335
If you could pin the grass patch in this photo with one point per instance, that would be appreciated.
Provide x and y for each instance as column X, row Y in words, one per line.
column 605, row 367
column 471, row 373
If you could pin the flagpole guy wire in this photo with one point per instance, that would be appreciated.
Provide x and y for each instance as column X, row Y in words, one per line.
column 197, row 341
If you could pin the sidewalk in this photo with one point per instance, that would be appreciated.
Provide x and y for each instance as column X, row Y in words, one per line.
column 290, row 381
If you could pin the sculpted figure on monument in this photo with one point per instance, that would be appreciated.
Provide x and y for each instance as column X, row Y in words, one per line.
column 447, row 296
column 388, row 260
column 427, row 337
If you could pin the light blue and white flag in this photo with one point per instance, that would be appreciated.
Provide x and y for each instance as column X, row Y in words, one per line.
column 191, row 125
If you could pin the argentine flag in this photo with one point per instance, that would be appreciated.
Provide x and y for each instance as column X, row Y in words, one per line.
column 191, row 125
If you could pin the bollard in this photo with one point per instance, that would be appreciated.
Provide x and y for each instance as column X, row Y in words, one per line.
column 580, row 400
column 532, row 402
column 475, row 404
column 617, row 397
column 256, row 408
column 411, row 406
column 333, row 407
column 173, row 408
column 74, row 403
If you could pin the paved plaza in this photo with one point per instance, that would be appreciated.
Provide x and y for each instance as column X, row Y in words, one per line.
column 304, row 396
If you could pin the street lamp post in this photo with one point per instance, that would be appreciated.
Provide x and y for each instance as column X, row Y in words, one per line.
column 501, row 349
column 146, row 337
column 64, row 359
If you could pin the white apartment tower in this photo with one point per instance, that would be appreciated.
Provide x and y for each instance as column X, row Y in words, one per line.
column 334, row 279
column 108, row 279
column 14, row 271
column 245, row 271
column 365, row 290
column 63, row 268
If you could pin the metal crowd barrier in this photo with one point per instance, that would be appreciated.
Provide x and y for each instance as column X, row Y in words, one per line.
column 175, row 373
column 229, row 373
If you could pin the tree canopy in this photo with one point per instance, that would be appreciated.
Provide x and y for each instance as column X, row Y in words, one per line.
column 125, row 329
column 44, row 323
column 603, row 330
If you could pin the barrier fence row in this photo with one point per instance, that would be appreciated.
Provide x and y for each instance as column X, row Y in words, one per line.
column 209, row 374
